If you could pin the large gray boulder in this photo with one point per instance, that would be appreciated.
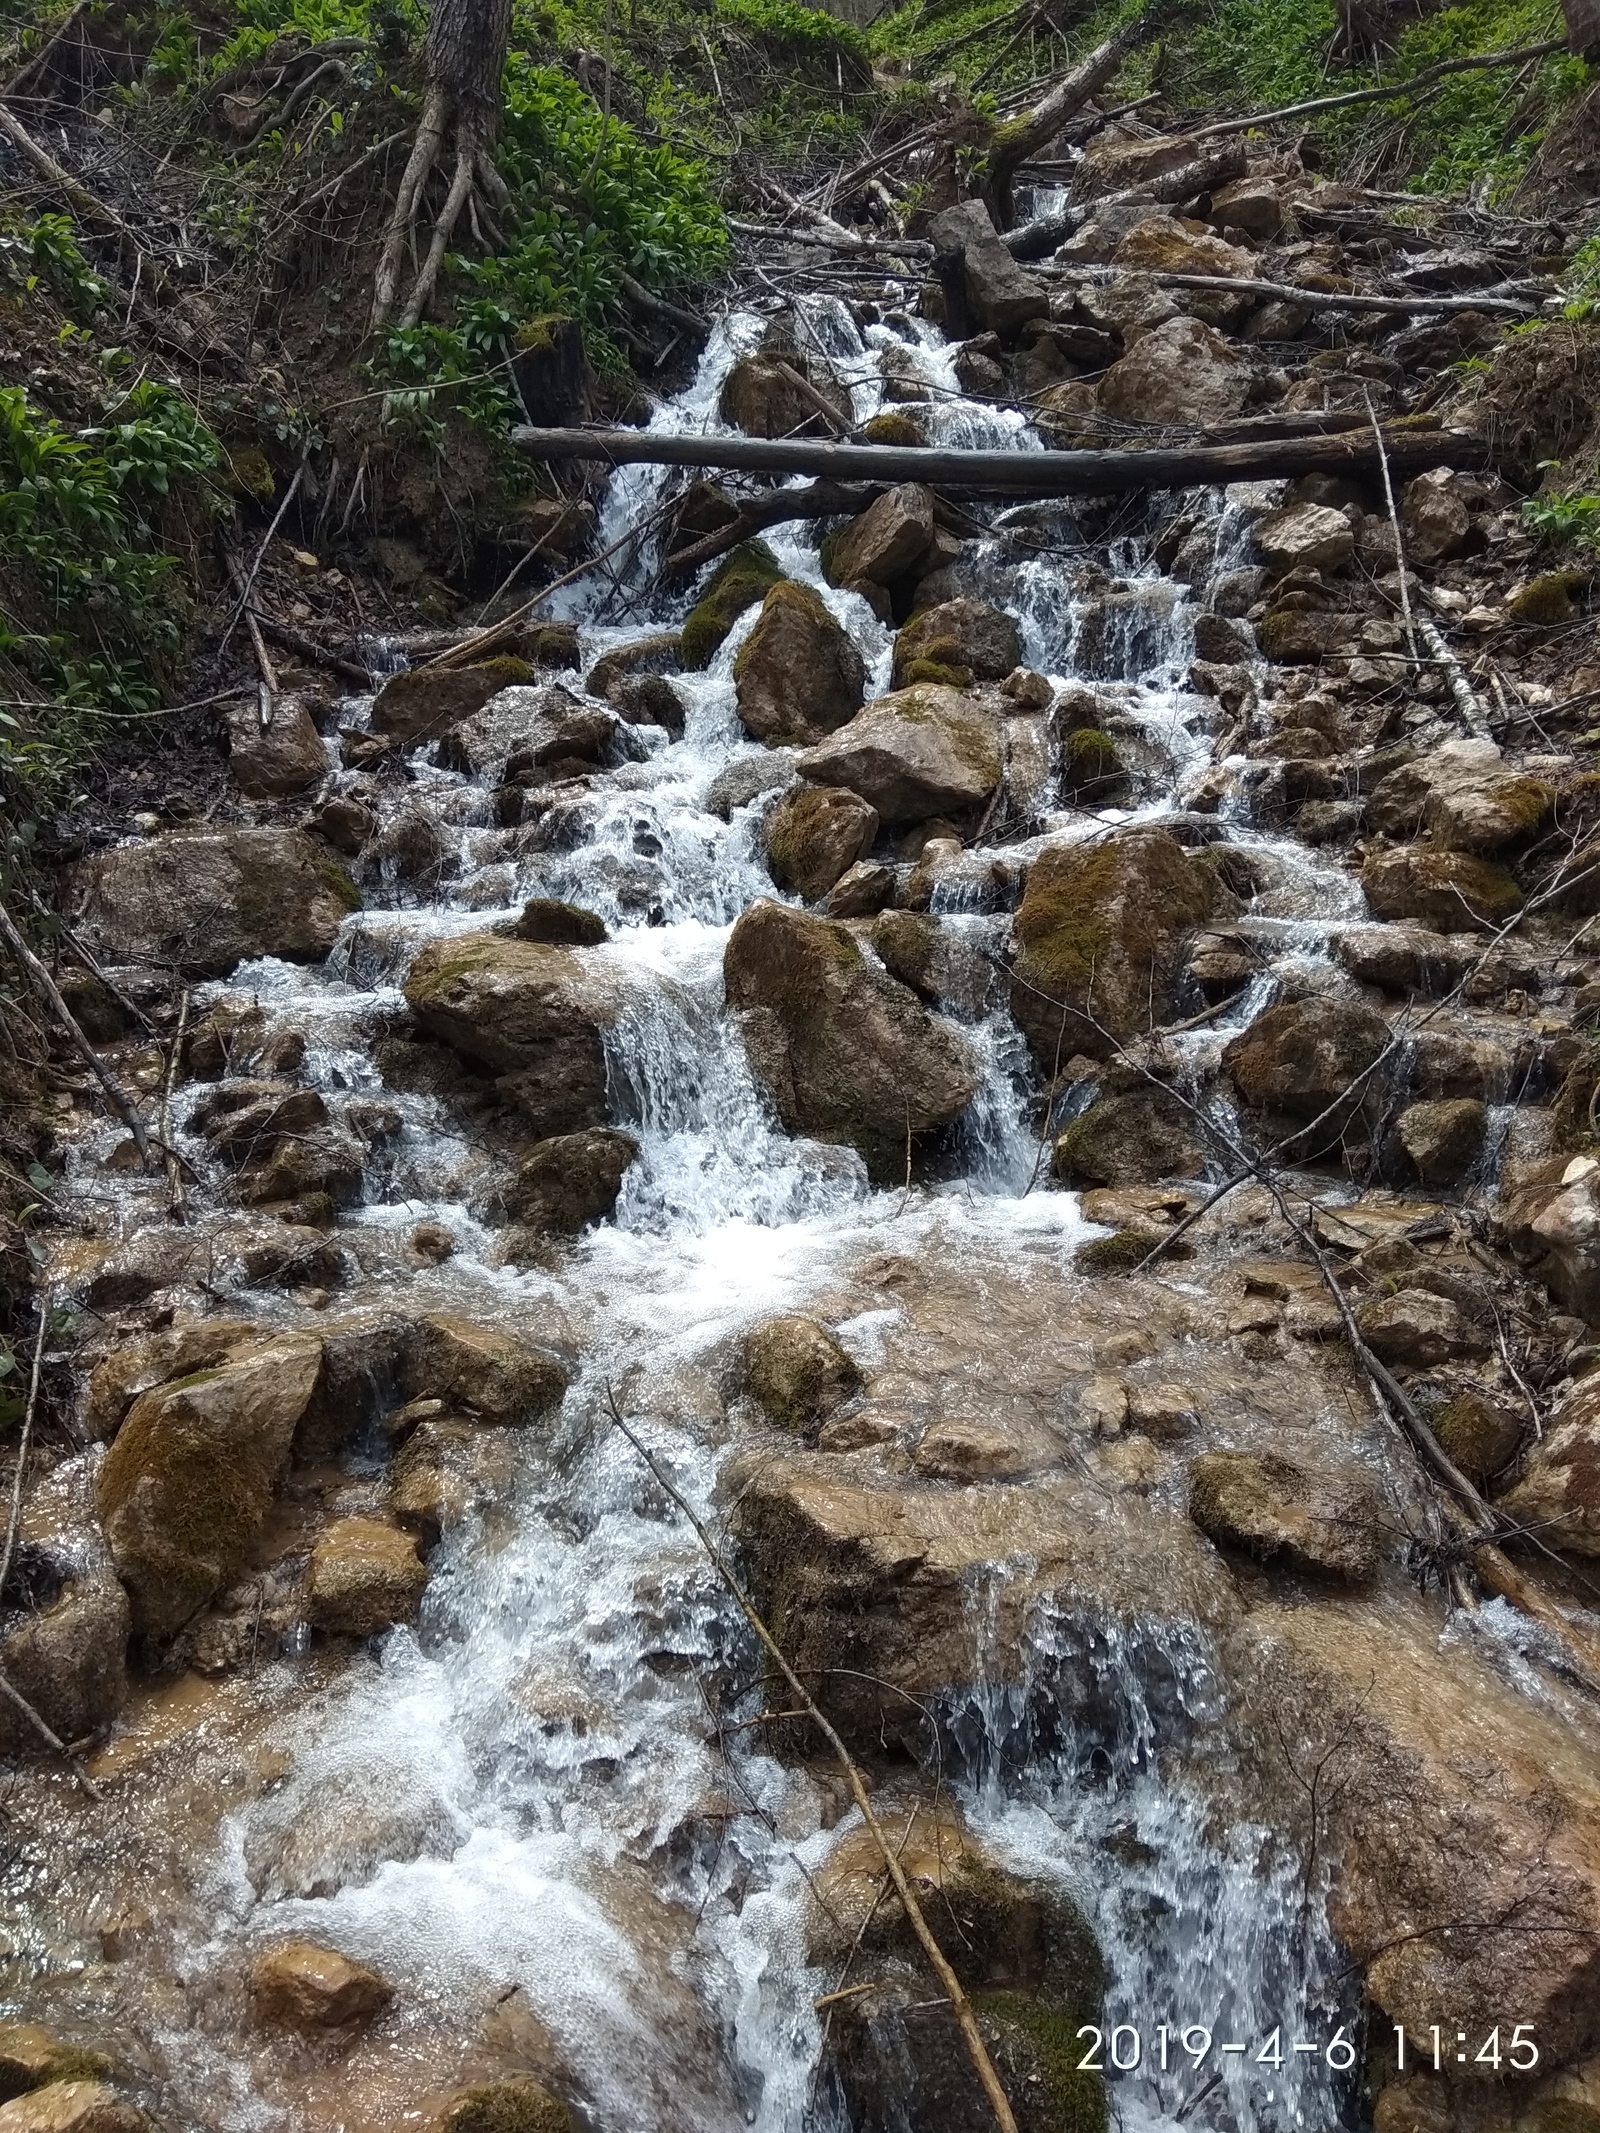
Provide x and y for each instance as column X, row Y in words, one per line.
column 846, row 1052
column 204, row 902
column 999, row 294
column 923, row 751
column 1465, row 794
column 797, row 675
column 1179, row 372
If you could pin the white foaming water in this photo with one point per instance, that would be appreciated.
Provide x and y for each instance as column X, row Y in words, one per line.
column 519, row 1793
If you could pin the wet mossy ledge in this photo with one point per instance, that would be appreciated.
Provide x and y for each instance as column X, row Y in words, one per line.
column 742, row 581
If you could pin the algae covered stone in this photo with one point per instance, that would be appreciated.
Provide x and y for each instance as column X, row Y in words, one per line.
column 797, row 675
column 741, row 581
column 797, row 1373
column 1275, row 1507
column 968, row 638
column 815, row 835
column 519, row 2106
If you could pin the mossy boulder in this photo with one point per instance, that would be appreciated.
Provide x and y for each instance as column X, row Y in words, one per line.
column 1451, row 892
column 1119, row 1253
column 365, row 1576
column 1091, row 768
column 188, row 1483
column 846, row 1053
column 572, row 1179
column 1478, row 1432
column 557, row 925
column 739, row 582
column 975, row 641
column 1129, row 1138
column 784, row 392
column 1464, row 795
column 1099, row 940
column 529, row 1012
column 31, row 2056
column 425, row 702
column 893, row 427
column 1550, row 600
column 1278, row 1509
column 1311, row 1060
column 797, row 1373
column 921, row 752
column 202, row 903
column 797, row 675
column 519, row 2106
column 815, row 835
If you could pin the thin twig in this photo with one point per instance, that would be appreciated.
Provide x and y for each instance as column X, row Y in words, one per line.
column 117, row 1096
column 248, row 584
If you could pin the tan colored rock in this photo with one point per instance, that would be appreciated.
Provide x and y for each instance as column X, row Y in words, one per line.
column 1451, row 892
column 1415, row 1330
column 31, row 2056
column 1180, row 373
column 1406, row 958
column 72, row 2107
column 847, row 1054
column 1167, row 244
column 797, row 675
column 1295, row 636
column 815, row 835
column 1302, row 1057
column 922, row 751
column 137, row 1366
column 288, row 757
column 1251, row 205
column 204, row 901
column 1304, row 537
column 189, row 1481
column 797, row 1373
column 1558, row 1489
column 481, row 1370
column 364, row 1577
column 444, row 1469
column 308, row 1987
column 1434, row 520
column 1466, row 797
column 1274, row 1508
column 425, row 702
column 888, row 540
column 1443, row 1140
column 967, row 639
column 1478, row 1432
column 1552, row 1222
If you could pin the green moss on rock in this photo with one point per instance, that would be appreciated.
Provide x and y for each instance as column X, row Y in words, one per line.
column 948, row 674
column 893, row 428
column 1023, row 2029
column 1119, row 1253
column 504, row 2107
column 1090, row 764
column 743, row 580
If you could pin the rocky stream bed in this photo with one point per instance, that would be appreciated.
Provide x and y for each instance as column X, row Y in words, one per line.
column 797, row 1016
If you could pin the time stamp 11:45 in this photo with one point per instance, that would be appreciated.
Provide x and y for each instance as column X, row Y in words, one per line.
column 1124, row 2049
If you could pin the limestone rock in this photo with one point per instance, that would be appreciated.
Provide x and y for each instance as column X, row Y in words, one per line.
column 1179, row 372
column 134, row 1367
column 557, row 925
column 532, row 1013
column 1406, row 959
column 1443, row 1139
column 1253, row 205
column 1559, row 1486
column 425, row 702
column 920, row 752
column 1416, row 1330
column 308, row 1987
column 189, row 1481
column 964, row 640
column 481, row 1370
column 203, row 902
column 572, row 1179
column 72, row 2107
column 1304, row 537
column 1434, row 520
column 1464, row 795
column 847, row 1054
column 1166, row 244
column 815, row 835
column 1001, row 296
column 1451, row 892
column 797, row 674
column 939, row 964
column 1274, row 1507
column 519, row 2106
column 797, row 1373
column 741, row 581
column 887, row 542
column 1302, row 1057
column 31, row 2056
column 1128, row 1139
column 66, row 1651
column 1293, row 636
column 287, row 758
column 1099, row 940
column 861, row 891
column 364, row 1577
column 775, row 393
column 1552, row 1222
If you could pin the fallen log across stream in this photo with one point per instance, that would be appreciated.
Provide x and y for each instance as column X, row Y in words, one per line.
column 1030, row 474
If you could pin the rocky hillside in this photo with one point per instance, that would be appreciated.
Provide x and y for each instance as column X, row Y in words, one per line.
column 802, row 1279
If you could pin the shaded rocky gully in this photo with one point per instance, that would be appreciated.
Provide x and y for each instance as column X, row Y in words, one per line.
column 1105, row 1578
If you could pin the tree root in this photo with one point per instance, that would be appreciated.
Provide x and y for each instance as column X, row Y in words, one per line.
column 475, row 184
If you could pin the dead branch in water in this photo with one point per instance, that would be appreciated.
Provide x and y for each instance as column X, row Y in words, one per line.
column 961, row 2006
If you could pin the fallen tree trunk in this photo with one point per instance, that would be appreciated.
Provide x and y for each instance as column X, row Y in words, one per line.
column 1393, row 93
column 1077, row 473
column 824, row 499
column 1017, row 138
column 1340, row 299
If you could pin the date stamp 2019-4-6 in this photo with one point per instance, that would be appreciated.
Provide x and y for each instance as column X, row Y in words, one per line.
column 1165, row 2046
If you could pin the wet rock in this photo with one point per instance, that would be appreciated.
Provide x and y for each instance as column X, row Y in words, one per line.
column 1552, row 1222
column 1220, row 641
column 531, row 1012
column 920, row 752
column 650, row 700
column 861, row 891
column 939, row 964
column 1128, row 1139
column 815, row 835
column 797, row 1373
column 1442, row 1140
column 1464, row 795
column 1558, row 1489
column 741, row 581
column 411, row 850
column 886, row 543
column 565, row 1183
column 288, row 757
column 1278, row 1509
column 72, row 2107
column 1167, row 244
column 519, row 2106
column 999, row 295
column 1099, row 941
column 1479, row 1433
column 64, row 1619
column 364, row 1577
column 1450, row 892
column 1092, row 770
column 1304, row 537
column 797, row 675
column 244, row 1120
column 1308, row 1058
column 1179, row 372
column 344, row 822
column 847, row 1054
column 1406, row 959
column 745, row 779
column 557, row 925
column 1416, row 1330
column 1434, row 520
column 31, row 2056
column 308, row 1987
column 441, row 1472
column 480, row 1370
column 957, row 643
column 136, row 1367
column 660, row 653
column 775, row 393
column 426, row 702
column 432, row 1243
column 1458, row 1063
column 204, row 903
column 1292, row 636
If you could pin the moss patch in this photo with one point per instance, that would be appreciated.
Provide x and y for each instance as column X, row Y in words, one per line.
column 891, row 428
column 1090, row 763
column 742, row 581
column 1119, row 1253
column 505, row 2107
column 1077, row 2100
column 946, row 673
